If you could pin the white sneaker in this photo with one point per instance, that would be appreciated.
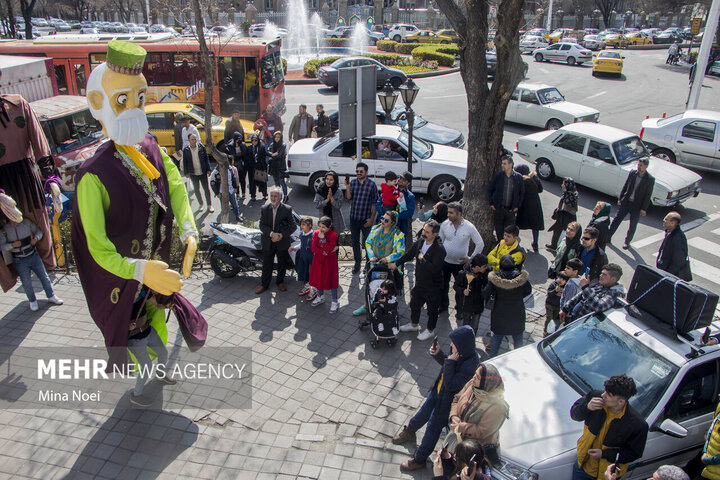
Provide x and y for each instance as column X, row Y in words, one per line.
column 425, row 335
column 56, row 300
column 334, row 307
column 34, row 306
column 409, row 327
column 318, row 300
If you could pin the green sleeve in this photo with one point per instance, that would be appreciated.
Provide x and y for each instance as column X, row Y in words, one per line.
column 179, row 199
column 93, row 201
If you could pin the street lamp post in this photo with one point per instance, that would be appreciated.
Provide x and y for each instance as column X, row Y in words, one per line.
column 388, row 97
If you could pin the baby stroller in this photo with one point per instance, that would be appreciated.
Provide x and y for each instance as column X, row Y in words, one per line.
column 381, row 316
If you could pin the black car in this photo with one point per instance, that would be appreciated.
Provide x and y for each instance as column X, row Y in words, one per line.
column 428, row 131
column 670, row 35
column 491, row 59
column 328, row 75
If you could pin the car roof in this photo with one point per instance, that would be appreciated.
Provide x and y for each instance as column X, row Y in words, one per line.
column 604, row 132
column 168, row 107
column 59, row 106
column 534, row 86
column 708, row 114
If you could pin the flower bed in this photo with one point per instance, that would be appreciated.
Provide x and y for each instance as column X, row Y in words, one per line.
column 432, row 54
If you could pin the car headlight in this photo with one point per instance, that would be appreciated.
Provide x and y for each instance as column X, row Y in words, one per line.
column 672, row 194
column 515, row 472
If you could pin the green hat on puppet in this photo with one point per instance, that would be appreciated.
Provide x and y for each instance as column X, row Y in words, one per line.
column 125, row 57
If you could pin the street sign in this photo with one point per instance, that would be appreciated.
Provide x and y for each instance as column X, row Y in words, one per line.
column 350, row 96
column 695, row 28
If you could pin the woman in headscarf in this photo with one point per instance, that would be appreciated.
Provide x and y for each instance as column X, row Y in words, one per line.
column 505, row 292
column 565, row 212
column 438, row 213
column 329, row 201
column 530, row 214
column 601, row 221
column 277, row 166
column 236, row 148
column 569, row 247
column 257, row 154
column 479, row 411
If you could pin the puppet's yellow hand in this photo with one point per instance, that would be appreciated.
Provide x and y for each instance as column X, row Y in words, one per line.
column 191, row 243
column 160, row 278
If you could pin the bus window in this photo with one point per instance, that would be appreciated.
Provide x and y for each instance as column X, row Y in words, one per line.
column 271, row 71
column 157, row 69
column 237, row 78
column 61, row 77
column 188, row 68
column 80, row 78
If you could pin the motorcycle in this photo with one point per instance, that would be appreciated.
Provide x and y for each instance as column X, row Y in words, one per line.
column 236, row 248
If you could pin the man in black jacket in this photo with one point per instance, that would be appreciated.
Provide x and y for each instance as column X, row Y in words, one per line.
column 625, row 431
column 429, row 255
column 322, row 124
column 634, row 199
column 506, row 191
column 277, row 225
column 673, row 254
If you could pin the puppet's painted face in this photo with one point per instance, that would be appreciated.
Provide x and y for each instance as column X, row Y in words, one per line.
column 119, row 104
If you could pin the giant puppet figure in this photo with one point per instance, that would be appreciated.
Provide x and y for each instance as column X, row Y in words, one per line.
column 25, row 161
column 127, row 196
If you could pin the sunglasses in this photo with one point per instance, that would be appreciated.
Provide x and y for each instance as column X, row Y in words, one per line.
column 359, row 171
column 385, row 220
column 587, row 238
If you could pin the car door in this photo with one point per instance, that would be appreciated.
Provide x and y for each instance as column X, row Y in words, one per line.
column 158, row 124
column 567, row 154
column 552, row 52
column 513, row 104
column 691, row 405
column 697, row 143
column 564, row 52
column 599, row 169
column 389, row 155
column 529, row 110
column 340, row 158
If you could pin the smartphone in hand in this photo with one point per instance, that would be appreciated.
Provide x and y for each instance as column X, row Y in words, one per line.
column 706, row 336
column 435, row 341
column 347, row 178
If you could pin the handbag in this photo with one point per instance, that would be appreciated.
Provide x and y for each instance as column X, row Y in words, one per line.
column 554, row 214
column 260, row 176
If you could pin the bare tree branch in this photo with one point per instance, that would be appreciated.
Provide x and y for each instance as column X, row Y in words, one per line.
column 455, row 15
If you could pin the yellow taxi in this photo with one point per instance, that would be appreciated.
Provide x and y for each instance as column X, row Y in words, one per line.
column 559, row 35
column 428, row 36
column 615, row 40
column 607, row 61
column 637, row 38
column 161, row 119
column 449, row 33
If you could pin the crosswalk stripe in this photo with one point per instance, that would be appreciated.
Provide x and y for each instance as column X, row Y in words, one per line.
column 702, row 269
column 686, row 228
column 705, row 245
column 716, row 231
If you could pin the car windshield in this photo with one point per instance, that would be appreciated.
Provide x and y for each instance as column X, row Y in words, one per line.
column 629, row 149
column 72, row 131
column 609, row 55
column 591, row 350
column 665, row 121
column 323, row 140
column 200, row 114
column 401, row 122
column 550, row 95
column 420, row 148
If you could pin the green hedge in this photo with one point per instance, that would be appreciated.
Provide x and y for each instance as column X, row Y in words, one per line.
column 448, row 49
column 386, row 45
column 337, row 42
column 431, row 53
column 311, row 66
column 406, row 48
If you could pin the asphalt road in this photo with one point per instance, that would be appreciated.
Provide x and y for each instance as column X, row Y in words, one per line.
column 647, row 87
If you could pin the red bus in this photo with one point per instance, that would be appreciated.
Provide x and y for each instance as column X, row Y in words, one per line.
column 250, row 72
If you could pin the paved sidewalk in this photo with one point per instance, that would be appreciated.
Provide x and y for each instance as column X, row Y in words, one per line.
column 325, row 404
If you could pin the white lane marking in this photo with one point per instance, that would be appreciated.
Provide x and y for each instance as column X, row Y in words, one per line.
column 705, row 245
column 596, row 95
column 686, row 228
column 702, row 269
column 716, row 231
column 447, row 96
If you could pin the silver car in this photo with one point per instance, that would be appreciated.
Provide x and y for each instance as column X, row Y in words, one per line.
column 593, row 42
column 571, row 53
column 690, row 138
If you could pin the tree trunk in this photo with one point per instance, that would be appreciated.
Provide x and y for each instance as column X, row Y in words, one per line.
column 210, row 75
column 486, row 106
column 579, row 7
column 12, row 26
column 26, row 10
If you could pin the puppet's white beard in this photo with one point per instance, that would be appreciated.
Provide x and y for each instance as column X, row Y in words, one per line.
column 128, row 128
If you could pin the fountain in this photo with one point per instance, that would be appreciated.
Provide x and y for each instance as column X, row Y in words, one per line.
column 359, row 38
column 271, row 30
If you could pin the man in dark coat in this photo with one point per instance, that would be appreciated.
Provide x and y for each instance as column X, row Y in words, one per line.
column 673, row 254
column 506, row 191
column 233, row 125
column 458, row 369
column 634, row 199
column 277, row 225
column 592, row 256
column 322, row 124
column 429, row 255
column 530, row 214
column 177, row 134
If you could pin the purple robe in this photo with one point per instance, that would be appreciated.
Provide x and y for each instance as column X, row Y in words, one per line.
column 130, row 227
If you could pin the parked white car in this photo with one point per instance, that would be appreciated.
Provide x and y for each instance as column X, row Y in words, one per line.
column 439, row 170
column 529, row 43
column 593, row 42
column 336, row 32
column 258, row 30
column 571, row 53
column 601, row 157
column 400, row 31
column 676, row 393
column 545, row 107
column 691, row 138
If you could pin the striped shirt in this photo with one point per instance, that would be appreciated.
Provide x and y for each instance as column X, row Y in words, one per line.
column 363, row 198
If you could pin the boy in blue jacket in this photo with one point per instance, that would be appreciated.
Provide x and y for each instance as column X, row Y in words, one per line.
column 458, row 368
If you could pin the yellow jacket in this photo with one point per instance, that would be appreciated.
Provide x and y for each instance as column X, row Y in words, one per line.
column 712, row 450
column 501, row 249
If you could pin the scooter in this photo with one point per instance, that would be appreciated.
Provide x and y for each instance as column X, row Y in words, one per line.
column 236, row 248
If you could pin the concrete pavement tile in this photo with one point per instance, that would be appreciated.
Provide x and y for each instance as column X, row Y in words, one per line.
column 309, row 471
column 290, row 468
column 330, row 474
column 353, row 465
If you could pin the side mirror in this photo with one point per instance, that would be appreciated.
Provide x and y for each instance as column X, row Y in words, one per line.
column 672, row 428
column 623, row 58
